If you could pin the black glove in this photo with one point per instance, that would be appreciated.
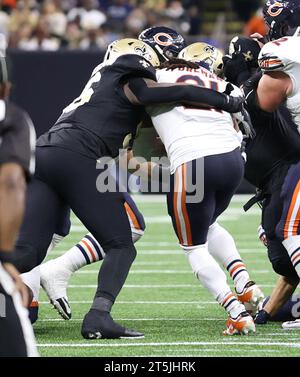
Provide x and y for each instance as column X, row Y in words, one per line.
column 233, row 104
column 262, row 317
column 236, row 70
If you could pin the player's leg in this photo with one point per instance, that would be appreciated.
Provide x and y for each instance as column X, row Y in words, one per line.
column 230, row 166
column 221, row 244
column 17, row 339
column 33, row 278
column 55, row 274
column 288, row 229
column 222, row 247
column 191, row 222
column 42, row 208
column 103, row 214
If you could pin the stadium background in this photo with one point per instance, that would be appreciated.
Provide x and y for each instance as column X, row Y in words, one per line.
column 54, row 44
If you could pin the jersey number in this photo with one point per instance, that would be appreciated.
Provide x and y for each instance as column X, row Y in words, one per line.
column 209, row 84
column 280, row 41
column 86, row 94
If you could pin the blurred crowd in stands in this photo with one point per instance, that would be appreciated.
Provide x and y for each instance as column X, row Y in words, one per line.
column 93, row 24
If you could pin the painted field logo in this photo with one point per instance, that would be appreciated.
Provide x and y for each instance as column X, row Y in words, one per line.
column 2, row 306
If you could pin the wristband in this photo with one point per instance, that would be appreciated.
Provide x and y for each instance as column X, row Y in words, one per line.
column 7, row 257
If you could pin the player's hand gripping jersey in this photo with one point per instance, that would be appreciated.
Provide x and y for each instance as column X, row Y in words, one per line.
column 283, row 55
column 190, row 133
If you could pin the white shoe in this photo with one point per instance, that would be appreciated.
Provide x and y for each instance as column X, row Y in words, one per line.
column 251, row 297
column 291, row 325
column 54, row 280
column 242, row 325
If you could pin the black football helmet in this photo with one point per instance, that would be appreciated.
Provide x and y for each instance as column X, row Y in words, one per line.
column 247, row 48
column 166, row 42
column 282, row 17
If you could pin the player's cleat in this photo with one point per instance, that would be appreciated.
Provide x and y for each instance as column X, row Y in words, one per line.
column 33, row 311
column 242, row 325
column 100, row 325
column 252, row 297
column 54, row 280
column 291, row 325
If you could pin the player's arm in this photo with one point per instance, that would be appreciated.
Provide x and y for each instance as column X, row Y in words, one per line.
column 16, row 162
column 145, row 92
column 283, row 290
column 12, row 202
column 272, row 90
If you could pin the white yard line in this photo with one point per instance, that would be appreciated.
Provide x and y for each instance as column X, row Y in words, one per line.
column 177, row 272
column 178, row 251
column 151, row 286
column 167, row 344
column 145, row 302
column 140, row 319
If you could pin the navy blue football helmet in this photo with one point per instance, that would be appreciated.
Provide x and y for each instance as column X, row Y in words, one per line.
column 166, row 42
column 282, row 17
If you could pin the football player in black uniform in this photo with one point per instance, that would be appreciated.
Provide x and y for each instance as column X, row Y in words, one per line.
column 93, row 126
column 53, row 275
column 275, row 148
column 16, row 166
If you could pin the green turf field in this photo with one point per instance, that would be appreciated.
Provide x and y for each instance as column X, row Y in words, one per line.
column 163, row 298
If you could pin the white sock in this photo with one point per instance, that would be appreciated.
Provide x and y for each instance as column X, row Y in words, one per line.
column 292, row 245
column 87, row 251
column 213, row 278
column 222, row 247
column 32, row 280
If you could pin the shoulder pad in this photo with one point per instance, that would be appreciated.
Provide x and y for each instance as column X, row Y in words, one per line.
column 135, row 65
column 279, row 55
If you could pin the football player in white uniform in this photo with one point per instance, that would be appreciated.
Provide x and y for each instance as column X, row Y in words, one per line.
column 279, row 59
column 202, row 147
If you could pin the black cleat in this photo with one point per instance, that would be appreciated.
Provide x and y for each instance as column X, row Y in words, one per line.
column 100, row 325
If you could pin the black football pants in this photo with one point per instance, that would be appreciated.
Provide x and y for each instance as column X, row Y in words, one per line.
column 67, row 179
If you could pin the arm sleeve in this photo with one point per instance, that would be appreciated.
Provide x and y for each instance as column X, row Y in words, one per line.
column 177, row 94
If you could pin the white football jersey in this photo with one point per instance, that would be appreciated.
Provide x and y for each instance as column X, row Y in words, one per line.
column 190, row 133
column 284, row 55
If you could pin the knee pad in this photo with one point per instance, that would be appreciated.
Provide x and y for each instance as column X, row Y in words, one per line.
column 121, row 248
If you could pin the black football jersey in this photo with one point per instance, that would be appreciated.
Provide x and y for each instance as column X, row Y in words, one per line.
column 276, row 144
column 102, row 114
column 17, row 137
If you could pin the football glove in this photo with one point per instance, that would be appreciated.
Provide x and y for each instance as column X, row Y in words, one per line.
column 244, row 122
